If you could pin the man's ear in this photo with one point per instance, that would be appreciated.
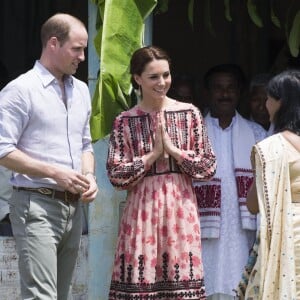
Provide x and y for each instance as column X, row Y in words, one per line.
column 53, row 42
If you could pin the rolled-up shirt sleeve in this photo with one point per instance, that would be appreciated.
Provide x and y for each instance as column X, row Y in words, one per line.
column 86, row 136
column 14, row 116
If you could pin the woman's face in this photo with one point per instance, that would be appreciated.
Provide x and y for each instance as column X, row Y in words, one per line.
column 273, row 106
column 155, row 80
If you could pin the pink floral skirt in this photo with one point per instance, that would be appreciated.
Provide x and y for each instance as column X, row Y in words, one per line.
column 158, row 253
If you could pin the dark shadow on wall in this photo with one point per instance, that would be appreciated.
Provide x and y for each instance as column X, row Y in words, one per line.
column 20, row 23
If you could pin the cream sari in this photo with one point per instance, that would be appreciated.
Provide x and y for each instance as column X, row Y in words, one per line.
column 274, row 274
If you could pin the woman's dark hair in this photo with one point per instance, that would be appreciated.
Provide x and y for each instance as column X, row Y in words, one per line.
column 142, row 57
column 285, row 87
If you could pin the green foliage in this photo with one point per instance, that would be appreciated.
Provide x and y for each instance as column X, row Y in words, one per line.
column 294, row 36
column 290, row 23
column 161, row 7
column 252, row 11
column 227, row 10
column 275, row 20
column 120, row 26
column 121, row 33
column 191, row 12
column 207, row 18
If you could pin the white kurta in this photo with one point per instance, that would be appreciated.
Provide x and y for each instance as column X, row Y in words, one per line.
column 224, row 258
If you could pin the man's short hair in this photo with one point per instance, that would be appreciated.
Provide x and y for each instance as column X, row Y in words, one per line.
column 232, row 69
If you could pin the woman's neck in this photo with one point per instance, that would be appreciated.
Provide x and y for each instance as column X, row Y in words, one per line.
column 154, row 105
column 293, row 138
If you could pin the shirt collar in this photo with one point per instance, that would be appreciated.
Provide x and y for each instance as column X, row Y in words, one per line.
column 46, row 77
column 215, row 121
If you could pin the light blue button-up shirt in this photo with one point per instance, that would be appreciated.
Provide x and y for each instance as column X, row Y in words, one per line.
column 35, row 120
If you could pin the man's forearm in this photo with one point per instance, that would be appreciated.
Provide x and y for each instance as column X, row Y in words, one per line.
column 20, row 162
column 88, row 163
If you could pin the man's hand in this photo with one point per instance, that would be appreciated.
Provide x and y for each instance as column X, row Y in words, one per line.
column 71, row 180
column 90, row 194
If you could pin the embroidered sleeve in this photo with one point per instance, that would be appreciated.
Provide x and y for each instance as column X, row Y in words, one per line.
column 124, row 170
column 199, row 162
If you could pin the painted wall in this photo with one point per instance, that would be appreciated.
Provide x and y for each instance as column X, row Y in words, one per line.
column 104, row 213
column 9, row 275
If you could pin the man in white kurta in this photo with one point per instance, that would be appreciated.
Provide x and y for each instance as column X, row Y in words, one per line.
column 227, row 228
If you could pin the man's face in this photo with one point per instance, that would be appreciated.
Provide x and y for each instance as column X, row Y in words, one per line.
column 184, row 93
column 224, row 94
column 71, row 53
column 258, row 109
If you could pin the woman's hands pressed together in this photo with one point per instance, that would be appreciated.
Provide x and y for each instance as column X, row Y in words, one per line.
column 163, row 145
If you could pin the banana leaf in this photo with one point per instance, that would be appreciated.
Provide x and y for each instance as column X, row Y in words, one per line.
column 120, row 34
column 294, row 36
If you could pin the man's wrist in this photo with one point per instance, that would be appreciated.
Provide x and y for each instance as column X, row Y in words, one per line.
column 91, row 174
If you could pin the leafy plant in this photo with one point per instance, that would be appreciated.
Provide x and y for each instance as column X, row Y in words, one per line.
column 288, row 22
column 120, row 27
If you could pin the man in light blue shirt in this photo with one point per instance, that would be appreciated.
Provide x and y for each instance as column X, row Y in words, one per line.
column 45, row 140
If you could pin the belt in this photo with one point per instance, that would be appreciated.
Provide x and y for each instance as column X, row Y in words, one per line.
column 64, row 196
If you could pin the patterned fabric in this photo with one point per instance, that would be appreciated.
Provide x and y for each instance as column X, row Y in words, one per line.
column 274, row 274
column 296, row 224
column 244, row 179
column 210, row 202
column 241, row 289
column 158, row 253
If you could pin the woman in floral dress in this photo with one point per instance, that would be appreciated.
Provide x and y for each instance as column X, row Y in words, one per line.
column 155, row 150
